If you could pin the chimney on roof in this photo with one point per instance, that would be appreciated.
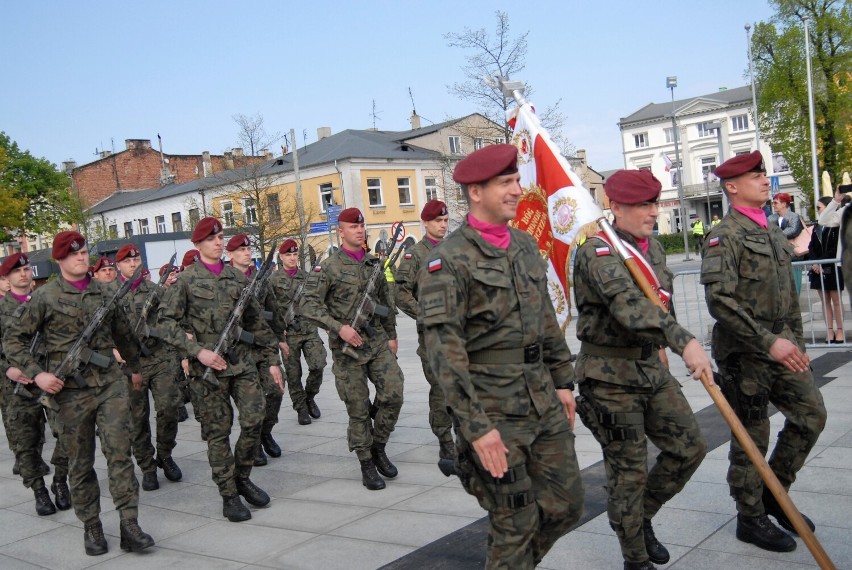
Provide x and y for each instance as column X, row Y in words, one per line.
column 323, row 133
column 238, row 152
column 137, row 144
column 206, row 164
column 229, row 160
column 415, row 120
column 105, row 153
column 266, row 153
column 68, row 166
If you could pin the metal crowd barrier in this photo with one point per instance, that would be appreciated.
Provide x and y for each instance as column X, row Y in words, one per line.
column 690, row 306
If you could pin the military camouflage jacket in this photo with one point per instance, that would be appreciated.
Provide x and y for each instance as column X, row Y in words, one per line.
column 8, row 306
column 748, row 283
column 268, row 304
column 133, row 302
column 474, row 296
column 284, row 287
column 613, row 312
column 406, row 276
column 335, row 288
column 203, row 302
column 60, row 312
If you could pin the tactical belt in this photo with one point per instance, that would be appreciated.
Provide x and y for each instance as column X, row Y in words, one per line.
column 777, row 327
column 87, row 356
column 616, row 425
column 628, row 352
column 526, row 355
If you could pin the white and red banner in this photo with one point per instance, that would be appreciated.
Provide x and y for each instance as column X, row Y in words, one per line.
column 555, row 205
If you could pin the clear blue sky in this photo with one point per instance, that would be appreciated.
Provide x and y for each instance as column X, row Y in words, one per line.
column 78, row 75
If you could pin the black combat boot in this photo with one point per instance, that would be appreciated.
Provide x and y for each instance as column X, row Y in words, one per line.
column 447, row 450
column 133, row 538
column 313, row 409
column 383, row 464
column 773, row 508
column 45, row 468
column 639, row 565
column 253, row 494
column 304, row 417
column 260, row 458
column 372, row 408
column 234, row 510
column 170, row 468
column 182, row 414
column 16, row 468
column 370, row 478
column 93, row 539
column 760, row 532
column 149, row 481
column 656, row 551
column 270, row 445
column 44, row 506
column 63, row 495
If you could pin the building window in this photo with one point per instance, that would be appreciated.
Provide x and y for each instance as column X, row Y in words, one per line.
column 500, row 140
column 113, row 231
column 431, row 188
column 273, row 207
column 374, row 190
column 177, row 225
column 161, row 224
column 455, row 145
column 194, row 218
column 670, row 134
column 477, row 143
column 250, row 211
column 326, row 196
column 143, row 226
column 128, row 229
column 403, row 185
column 640, row 140
column 228, row 214
column 707, row 167
column 739, row 123
column 704, row 130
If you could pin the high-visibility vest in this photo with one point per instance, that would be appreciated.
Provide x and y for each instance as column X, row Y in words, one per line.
column 389, row 272
column 698, row 228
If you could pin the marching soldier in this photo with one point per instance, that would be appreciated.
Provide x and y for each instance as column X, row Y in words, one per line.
column 96, row 397
column 759, row 348
column 333, row 291
column 159, row 367
column 300, row 336
column 627, row 391
column 23, row 415
column 239, row 252
column 495, row 346
column 203, row 299
column 104, row 270
column 435, row 218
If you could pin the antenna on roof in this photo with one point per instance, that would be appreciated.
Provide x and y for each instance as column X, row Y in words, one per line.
column 374, row 114
column 411, row 96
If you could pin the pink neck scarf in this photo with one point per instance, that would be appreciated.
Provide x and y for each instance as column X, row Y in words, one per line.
column 433, row 241
column 292, row 272
column 756, row 215
column 496, row 235
column 356, row 255
column 19, row 298
column 81, row 284
column 643, row 244
column 215, row 269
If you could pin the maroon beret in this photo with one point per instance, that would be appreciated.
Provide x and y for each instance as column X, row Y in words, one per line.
column 101, row 263
column 486, row 163
column 351, row 216
column 189, row 258
column 146, row 273
column 126, row 251
column 66, row 242
column 238, row 241
column 783, row 197
column 13, row 262
column 167, row 266
column 632, row 187
column 289, row 246
column 206, row 227
column 432, row 210
column 740, row 164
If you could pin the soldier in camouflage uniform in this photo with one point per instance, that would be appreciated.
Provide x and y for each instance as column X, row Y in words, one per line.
column 159, row 370
column 759, row 347
column 203, row 299
column 627, row 391
column 104, row 270
column 333, row 291
column 495, row 346
column 300, row 336
column 23, row 415
column 97, row 397
column 435, row 217
column 238, row 249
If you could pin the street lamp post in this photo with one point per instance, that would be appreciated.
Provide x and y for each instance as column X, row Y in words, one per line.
column 753, row 89
column 718, row 127
column 811, row 121
column 671, row 83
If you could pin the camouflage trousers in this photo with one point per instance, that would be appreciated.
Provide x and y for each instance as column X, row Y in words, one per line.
column 217, row 417
column 315, row 355
column 158, row 379
column 628, row 414
column 544, row 465
column 379, row 365
column 59, row 459
column 24, row 421
column 439, row 420
column 272, row 396
column 758, row 380
column 80, row 410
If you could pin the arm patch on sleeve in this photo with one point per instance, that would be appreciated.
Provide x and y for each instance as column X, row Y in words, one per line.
column 434, row 304
column 711, row 269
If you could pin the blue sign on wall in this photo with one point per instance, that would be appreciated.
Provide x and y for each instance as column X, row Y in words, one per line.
column 319, row 227
column 333, row 212
column 774, row 185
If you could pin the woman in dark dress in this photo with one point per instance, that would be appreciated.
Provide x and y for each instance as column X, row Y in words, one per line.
column 825, row 279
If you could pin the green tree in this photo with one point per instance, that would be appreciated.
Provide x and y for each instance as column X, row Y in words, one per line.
column 778, row 48
column 34, row 196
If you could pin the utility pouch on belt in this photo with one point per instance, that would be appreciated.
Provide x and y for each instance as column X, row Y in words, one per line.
column 609, row 426
column 589, row 416
column 89, row 356
column 750, row 409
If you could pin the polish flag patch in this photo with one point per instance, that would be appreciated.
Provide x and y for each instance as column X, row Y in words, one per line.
column 407, row 256
column 317, row 268
column 601, row 251
column 712, row 242
column 435, row 265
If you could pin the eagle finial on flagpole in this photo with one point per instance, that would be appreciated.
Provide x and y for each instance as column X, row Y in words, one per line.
column 513, row 89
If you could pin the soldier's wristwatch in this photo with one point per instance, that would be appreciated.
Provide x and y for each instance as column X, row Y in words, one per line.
column 566, row 386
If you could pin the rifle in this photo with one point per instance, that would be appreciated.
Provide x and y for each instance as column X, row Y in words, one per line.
column 233, row 331
column 261, row 285
column 36, row 345
column 368, row 307
column 290, row 315
column 141, row 329
column 69, row 367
